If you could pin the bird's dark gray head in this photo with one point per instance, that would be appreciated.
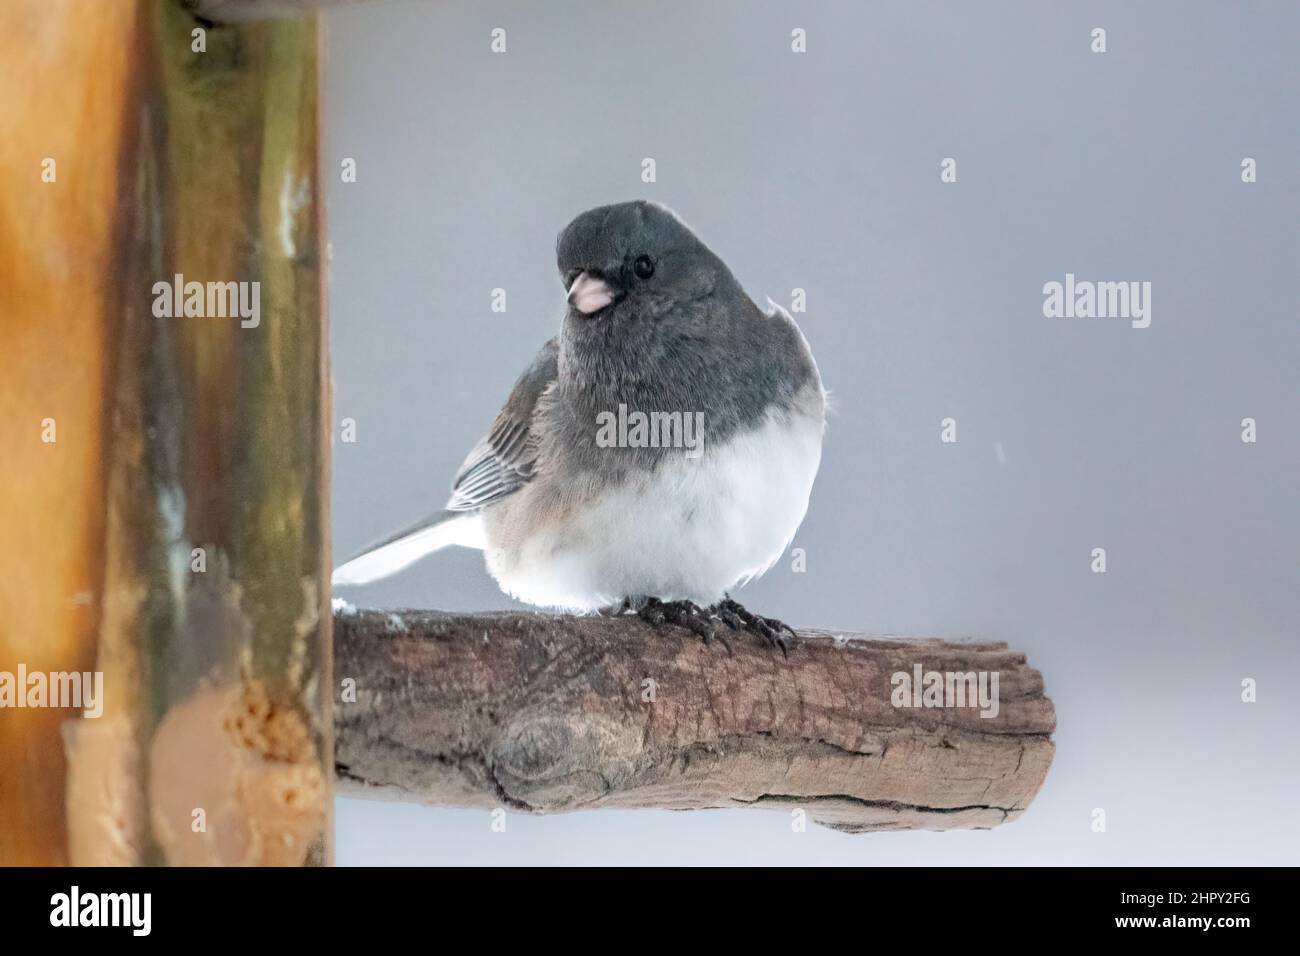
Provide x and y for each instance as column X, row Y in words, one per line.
column 658, row 323
column 635, row 260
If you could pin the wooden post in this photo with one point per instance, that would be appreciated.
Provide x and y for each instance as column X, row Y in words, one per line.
column 167, row 308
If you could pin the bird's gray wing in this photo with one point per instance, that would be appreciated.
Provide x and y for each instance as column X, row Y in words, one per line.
column 503, row 461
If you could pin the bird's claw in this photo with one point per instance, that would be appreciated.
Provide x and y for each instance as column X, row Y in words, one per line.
column 704, row 621
column 739, row 618
column 700, row 621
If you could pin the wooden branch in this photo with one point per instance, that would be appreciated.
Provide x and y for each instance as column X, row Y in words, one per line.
column 540, row 714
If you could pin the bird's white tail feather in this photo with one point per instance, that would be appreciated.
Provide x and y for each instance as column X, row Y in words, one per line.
column 404, row 550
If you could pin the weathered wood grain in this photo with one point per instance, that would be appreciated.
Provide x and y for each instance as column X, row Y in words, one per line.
column 541, row 713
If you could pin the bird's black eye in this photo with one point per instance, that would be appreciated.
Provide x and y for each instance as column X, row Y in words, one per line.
column 644, row 267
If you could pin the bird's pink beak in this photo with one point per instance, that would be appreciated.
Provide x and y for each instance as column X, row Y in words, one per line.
column 589, row 294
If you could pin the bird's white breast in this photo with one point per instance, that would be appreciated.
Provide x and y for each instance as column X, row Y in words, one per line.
column 690, row 530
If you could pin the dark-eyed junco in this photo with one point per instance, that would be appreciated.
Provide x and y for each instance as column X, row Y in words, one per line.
column 657, row 453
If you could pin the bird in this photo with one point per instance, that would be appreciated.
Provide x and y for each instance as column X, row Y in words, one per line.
column 658, row 453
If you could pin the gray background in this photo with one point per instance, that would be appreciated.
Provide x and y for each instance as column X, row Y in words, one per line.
column 821, row 171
